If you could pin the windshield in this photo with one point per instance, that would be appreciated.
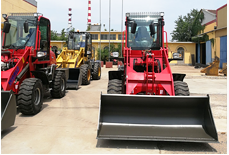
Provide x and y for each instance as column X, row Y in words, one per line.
column 142, row 39
column 77, row 41
column 17, row 38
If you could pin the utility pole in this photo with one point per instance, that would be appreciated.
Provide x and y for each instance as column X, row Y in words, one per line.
column 109, row 26
column 100, row 30
column 122, row 27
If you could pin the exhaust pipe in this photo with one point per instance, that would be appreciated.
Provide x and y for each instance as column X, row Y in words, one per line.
column 8, row 109
column 156, row 118
column 74, row 80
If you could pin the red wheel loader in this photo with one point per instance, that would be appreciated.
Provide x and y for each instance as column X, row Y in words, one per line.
column 145, row 100
column 28, row 67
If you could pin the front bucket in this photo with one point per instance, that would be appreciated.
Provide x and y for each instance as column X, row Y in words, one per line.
column 8, row 109
column 156, row 118
column 74, row 80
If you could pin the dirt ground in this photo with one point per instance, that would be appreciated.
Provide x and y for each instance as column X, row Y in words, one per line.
column 69, row 125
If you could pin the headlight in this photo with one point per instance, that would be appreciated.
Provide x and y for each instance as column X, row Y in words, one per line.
column 3, row 64
column 162, row 14
column 40, row 54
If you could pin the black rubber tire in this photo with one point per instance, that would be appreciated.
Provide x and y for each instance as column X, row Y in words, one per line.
column 58, row 85
column 181, row 88
column 84, row 70
column 28, row 104
column 97, row 72
column 114, row 86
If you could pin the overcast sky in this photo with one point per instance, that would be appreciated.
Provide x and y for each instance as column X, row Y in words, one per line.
column 57, row 11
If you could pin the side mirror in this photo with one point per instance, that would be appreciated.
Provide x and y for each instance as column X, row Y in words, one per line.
column 152, row 28
column 133, row 27
column 26, row 27
column 6, row 27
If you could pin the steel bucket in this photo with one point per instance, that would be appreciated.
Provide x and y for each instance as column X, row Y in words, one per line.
column 8, row 109
column 156, row 118
column 74, row 80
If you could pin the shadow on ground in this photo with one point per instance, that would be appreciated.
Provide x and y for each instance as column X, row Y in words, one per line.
column 7, row 131
column 22, row 115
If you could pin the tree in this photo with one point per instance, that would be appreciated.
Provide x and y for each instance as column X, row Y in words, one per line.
column 188, row 26
column 73, row 30
column 112, row 29
column 88, row 28
column 104, row 54
column 54, row 35
column 63, row 35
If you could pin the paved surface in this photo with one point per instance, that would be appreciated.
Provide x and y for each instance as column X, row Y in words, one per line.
column 69, row 125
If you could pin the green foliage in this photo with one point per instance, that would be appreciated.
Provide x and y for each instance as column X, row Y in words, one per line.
column 212, row 41
column 73, row 30
column 116, row 49
column 188, row 26
column 62, row 37
column 203, row 38
column 105, row 29
column 112, row 29
column 104, row 54
column 54, row 35
column 88, row 28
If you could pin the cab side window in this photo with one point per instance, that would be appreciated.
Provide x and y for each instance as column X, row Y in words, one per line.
column 44, row 29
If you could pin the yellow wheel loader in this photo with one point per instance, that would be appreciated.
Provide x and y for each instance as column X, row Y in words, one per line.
column 79, row 58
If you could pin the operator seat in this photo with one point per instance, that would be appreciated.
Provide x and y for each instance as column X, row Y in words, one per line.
column 142, row 33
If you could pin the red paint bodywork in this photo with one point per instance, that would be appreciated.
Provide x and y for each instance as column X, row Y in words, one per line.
column 22, row 57
column 149, row 82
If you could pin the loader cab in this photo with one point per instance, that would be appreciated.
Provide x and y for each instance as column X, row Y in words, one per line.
column 77, row 40
column 17, row 36
column 27, row 29
column 144, row 31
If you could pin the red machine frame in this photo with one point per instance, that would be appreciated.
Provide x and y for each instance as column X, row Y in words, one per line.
column 23, row 57
column 150, row 82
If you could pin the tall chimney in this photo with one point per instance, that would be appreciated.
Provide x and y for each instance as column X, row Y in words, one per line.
column 89, row 13
column 69, row 18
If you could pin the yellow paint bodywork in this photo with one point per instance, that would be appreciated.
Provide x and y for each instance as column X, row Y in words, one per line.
column 71, row 58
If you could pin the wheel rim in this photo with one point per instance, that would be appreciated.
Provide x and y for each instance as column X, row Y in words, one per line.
column 88, row 75
column 99, row 72
column 62, row 85
column 37, row 96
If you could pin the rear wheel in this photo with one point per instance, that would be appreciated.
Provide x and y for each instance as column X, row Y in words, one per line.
column 58, row 85
column 114, row 86
column 86, row 74
column 97, row 71
column 30, row 96
column 181, row 88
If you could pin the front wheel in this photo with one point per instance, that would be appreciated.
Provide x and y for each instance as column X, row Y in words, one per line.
column 86, row 74
column 97, row 72
column 30, row 96
column 58, row 85
column 114, row 86
column 181, row 88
